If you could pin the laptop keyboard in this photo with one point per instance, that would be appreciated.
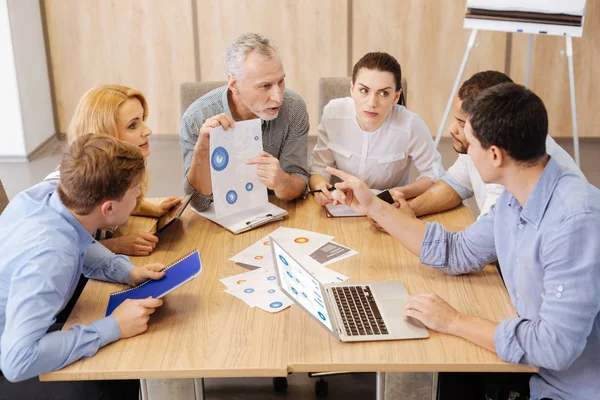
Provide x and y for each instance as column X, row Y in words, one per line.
column 359, row 311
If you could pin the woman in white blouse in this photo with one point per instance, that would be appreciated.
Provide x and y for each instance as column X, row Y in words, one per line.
column 373, row 136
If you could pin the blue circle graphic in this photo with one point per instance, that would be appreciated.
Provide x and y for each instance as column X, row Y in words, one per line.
column 289, row 274
column 283, row 260
column 272, row 278
column 249, row 290
column 294, row 290
column 231, row 197
column 219, row 159
column 304, row 294
column 276, row 304
column 322, row 316
column 272, row 290
column 255, row 137
column 249, row 186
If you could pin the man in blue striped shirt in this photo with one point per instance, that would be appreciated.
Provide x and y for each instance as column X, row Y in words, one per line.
column 544, row 230
column 44, row 239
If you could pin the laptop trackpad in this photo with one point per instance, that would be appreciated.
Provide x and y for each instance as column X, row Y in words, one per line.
column 398, row 323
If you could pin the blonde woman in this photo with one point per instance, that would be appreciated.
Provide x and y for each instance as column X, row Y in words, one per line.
column 120, row 112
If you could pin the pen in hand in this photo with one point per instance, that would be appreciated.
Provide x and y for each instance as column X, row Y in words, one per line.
column 331, row 189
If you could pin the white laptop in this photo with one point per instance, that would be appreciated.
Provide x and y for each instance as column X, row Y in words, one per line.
column 352, row 312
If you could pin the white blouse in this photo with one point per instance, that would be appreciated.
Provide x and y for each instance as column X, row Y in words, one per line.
column 381, row 158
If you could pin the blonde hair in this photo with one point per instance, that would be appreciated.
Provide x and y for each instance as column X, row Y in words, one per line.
column 97, row 110
column 96, row 113
column 96, row 168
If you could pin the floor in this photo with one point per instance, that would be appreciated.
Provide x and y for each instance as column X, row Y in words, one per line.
column 166, row 177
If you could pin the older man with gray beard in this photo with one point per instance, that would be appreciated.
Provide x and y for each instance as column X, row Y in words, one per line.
column 255, row 89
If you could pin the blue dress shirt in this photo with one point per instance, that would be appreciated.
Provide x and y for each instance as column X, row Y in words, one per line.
column 43, row 247
column 549, row 253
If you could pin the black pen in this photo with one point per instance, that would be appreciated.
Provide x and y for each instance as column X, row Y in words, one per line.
column 331, row 189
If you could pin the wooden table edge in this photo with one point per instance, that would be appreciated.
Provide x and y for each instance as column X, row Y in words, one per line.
column 416, row 367
column 162, row 374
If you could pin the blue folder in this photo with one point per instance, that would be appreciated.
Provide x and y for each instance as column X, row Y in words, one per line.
column 176, row 274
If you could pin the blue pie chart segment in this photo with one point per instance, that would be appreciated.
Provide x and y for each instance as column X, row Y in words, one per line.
column 231, row 197
column 219, row 159
column 276, row 304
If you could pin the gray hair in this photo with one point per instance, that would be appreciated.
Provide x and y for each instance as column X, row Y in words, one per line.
column 238, row 51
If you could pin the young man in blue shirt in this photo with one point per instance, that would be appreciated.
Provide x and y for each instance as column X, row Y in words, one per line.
column 544, row 230
column 45, row 235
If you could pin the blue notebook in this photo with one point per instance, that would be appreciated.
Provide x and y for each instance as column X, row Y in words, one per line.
column 176, row 274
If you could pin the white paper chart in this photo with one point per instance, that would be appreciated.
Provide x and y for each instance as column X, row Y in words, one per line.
column 235, row 185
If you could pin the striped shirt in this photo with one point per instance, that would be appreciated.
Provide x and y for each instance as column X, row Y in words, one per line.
column 283, row 137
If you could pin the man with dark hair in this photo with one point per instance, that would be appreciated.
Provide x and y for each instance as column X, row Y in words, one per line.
column 462, row 180
column 45, row 234
column 544, row 230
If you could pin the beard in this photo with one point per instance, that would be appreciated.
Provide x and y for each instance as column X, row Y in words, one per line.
column 260, row 113
column 459, row 146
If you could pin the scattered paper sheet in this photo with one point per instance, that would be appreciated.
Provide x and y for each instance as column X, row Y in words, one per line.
column 260, row 287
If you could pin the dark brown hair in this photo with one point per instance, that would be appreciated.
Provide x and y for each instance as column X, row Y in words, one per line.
column 96, row 168
column 513, row 118
column 478, row 82
column 381, row 62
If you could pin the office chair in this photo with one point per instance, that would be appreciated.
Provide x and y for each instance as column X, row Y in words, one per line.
column 3, row 198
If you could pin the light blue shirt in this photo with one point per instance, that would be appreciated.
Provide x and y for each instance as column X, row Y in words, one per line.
column 549, row 253
column 43, row 247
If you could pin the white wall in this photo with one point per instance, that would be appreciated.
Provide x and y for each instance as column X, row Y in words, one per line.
column 24, row 67
column 12, row 139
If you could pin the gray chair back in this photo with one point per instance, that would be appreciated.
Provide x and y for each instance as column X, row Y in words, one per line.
column 191, row 91
column 3, row 198
column 335, row 88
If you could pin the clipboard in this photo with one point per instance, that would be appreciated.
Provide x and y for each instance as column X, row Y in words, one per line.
column 177, row 274
column 246, row 220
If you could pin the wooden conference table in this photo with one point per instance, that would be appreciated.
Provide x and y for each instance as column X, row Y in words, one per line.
column 203, row 332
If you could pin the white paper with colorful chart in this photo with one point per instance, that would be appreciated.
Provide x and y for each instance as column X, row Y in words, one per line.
column 311, row 248
column 235, row 185
column 258, row 288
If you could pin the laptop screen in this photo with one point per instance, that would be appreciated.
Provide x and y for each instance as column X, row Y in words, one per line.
column 300, row 285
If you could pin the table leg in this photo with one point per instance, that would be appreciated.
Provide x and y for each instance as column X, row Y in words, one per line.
column 380, row 386
column 143, row 389
column 199, row 388
column 434, row 385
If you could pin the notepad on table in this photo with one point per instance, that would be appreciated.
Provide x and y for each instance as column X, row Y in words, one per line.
column 176, row 275
column 344, row 211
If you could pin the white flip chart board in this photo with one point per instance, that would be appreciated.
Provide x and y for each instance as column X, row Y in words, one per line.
column 551, row 17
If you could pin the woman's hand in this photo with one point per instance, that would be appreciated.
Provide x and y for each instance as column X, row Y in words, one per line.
column 167, row 204
column 324, row 197
column 132, row 244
